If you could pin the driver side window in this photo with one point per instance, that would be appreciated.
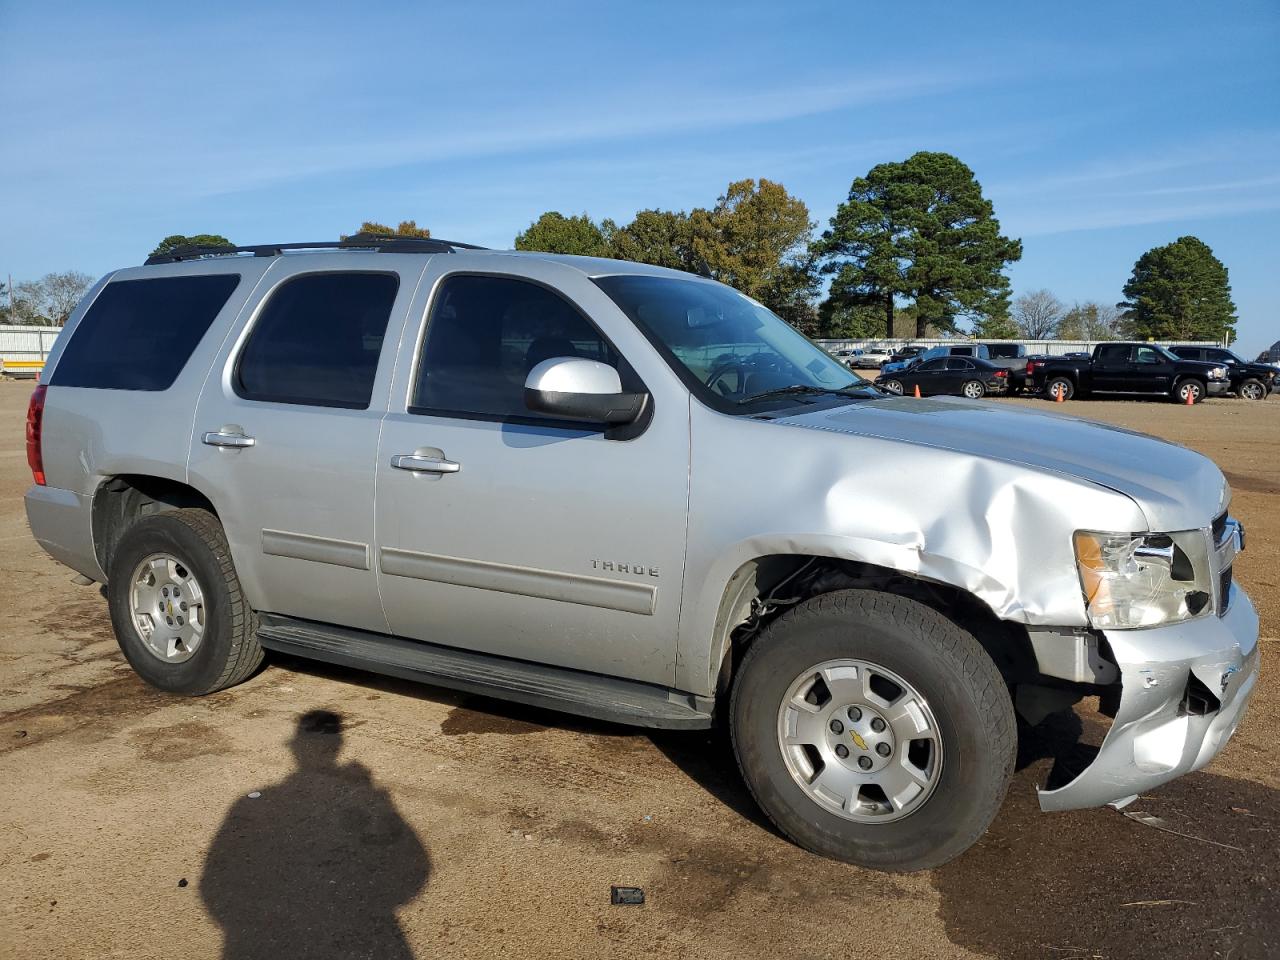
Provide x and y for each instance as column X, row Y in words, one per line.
column 484, row 335
column 1148, row 355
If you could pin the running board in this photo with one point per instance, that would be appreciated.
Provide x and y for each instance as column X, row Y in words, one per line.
column 536, row 684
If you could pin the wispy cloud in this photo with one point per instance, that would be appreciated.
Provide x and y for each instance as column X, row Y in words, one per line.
column 175, row 159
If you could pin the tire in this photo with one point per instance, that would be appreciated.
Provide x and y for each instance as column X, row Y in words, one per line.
column 894, row 386
column 1252, row 390
column 1189, row 386
column 185, row 553
column 974, row 389
column 965, row 701
column 1062, row 384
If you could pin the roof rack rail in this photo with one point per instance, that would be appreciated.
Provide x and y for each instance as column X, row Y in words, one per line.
column 380, row 242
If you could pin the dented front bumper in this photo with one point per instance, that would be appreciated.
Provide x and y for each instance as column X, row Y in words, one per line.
column 1160, row 731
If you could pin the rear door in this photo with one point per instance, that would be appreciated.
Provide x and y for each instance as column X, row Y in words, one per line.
column 959, row 371
column 1110, row 370
column 286, row 432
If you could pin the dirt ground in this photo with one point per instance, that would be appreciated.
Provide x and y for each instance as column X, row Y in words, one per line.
column 408, row 821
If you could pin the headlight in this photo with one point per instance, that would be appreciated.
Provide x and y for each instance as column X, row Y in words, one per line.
column 1143, row 580
column 1218, row 373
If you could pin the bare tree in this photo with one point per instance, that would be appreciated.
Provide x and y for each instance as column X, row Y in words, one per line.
column 49, row 300
column 1038, row 314
column 1090, row 321
column 62, row 291
column 28, row 303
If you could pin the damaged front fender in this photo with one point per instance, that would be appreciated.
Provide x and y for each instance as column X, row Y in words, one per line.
column 998, row 530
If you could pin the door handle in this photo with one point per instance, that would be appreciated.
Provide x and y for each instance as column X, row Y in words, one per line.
column 419, row 464
column 222, row 438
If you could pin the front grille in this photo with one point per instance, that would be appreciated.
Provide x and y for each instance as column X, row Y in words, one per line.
column 1224, row 591
column 1219, row 528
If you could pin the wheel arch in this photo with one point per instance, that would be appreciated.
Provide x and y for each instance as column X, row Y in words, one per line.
column 765, row 585
column 122, row 499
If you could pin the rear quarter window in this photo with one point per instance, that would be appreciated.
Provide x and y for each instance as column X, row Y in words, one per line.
column 139, row 334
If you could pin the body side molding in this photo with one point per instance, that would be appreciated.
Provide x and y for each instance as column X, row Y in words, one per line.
column 304, row 546
column 622, row 595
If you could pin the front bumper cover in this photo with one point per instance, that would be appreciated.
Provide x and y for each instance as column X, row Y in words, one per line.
column 1218, row 388
column 1154, row 738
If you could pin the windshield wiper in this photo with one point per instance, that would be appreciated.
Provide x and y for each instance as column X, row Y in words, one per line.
column 800, row 389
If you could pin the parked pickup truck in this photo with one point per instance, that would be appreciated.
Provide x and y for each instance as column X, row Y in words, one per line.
column 1133, row 368
column 626, row 492
column 1012, row 357
column 1249, row 381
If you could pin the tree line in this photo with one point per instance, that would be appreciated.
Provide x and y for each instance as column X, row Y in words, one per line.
column 914, row 250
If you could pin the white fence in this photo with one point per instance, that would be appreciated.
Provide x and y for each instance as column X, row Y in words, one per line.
column 19, row 342
column 1052, row 348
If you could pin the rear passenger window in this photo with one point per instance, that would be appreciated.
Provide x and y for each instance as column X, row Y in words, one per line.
column 317, row 340
column 485, row 334
column 1114, row 354
column 959, row 363
column 139, row 334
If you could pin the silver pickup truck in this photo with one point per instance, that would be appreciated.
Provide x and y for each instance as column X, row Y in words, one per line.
column 630, row 493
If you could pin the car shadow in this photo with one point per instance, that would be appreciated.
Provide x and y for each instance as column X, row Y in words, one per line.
column 1204, row 882
column 317, row 864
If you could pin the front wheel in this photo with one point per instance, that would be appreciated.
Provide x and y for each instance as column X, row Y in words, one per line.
column 894, row 387
column 178, row 612
column 1189, row 391
column 873, row 730
column 974, row 390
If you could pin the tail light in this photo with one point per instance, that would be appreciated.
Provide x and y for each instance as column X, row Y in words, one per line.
column 35, row 425
column 1031, row 367
column 1002, row 372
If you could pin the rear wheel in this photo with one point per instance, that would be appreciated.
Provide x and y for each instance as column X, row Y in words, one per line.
column 1060, row 386
column 1189, row 391
column 974, row 389
column 1253, row 390
column 873, row 730
column 178, row 612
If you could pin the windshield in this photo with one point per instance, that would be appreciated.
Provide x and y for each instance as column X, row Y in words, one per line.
column 736, row 355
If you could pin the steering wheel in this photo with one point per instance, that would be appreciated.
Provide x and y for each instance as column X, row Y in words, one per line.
column 719, row 373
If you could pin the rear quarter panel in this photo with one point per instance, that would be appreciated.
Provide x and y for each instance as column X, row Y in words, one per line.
column 91, row 434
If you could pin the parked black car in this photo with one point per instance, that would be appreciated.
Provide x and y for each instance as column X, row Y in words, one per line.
column 1140, row 368
column 1249, row 381
column 954, row 376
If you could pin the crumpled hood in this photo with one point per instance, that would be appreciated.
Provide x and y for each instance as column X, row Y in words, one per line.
column 1176, row 488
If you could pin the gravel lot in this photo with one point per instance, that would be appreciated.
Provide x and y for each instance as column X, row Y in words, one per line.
column 469, row 828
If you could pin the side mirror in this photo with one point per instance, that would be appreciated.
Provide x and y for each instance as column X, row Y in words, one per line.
column 573, row 388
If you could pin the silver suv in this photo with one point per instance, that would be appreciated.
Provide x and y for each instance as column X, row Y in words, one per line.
column 630, row 493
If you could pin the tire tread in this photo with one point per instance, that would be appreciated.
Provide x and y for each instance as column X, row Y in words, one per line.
column 956, row 644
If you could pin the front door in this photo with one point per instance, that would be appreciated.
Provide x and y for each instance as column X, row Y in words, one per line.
column 511, row 533
column 286, row 435
column 1151, row 371
column 931, row 376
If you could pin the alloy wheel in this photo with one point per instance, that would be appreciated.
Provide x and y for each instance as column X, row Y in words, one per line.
column 860, row 741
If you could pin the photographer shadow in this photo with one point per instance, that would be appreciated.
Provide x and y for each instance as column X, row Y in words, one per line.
column 317, row 864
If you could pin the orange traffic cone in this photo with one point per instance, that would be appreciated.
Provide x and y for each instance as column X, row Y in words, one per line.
column 917, row 390
column 1060, row 395
column 1191, row 396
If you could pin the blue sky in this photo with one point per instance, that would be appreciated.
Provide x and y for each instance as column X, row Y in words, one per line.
column 1098, row 130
